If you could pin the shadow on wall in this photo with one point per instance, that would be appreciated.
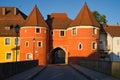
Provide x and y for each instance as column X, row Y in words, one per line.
column 75, row 59
column 114, row 56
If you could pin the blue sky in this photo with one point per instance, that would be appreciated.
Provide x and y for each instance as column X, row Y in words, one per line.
column 110, row 8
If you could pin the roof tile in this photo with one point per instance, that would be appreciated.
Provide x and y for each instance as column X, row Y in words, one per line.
column 35, row 19
column 85, row 18
column 113, row 30
column 9, row 19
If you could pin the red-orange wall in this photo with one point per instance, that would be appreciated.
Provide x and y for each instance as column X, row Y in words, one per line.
column 68, row 42
column 28, row 34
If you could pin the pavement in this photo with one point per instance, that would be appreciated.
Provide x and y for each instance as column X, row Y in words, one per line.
column 92, row 75
column 27, row 75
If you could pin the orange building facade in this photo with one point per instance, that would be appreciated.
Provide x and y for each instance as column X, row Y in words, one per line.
column 59, row 39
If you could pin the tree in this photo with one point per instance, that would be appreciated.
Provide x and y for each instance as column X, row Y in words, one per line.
column 100, row 18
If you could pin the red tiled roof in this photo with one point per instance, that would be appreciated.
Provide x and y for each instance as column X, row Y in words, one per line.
column 59, row 21
column 113, row 30
column 85, row 18
column 10, row 19
column 35, row 19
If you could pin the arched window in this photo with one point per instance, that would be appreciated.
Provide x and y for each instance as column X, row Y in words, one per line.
column 29, row 56
column 80, row 46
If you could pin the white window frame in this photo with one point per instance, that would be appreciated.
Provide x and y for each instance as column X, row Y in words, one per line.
column 31, row 55
column 38, row 45
column 74, row 33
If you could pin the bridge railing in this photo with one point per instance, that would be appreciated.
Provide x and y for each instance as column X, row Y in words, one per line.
column 11, row 68
column 108, row 67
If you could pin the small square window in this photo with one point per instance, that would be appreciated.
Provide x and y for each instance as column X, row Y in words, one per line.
column 74, row 31
column 61, row 33
column 7, row 41
column 8, row 56
column 37, row 30
column 29, row 57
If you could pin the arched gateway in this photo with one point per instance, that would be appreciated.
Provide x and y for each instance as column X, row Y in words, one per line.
column 58, row 56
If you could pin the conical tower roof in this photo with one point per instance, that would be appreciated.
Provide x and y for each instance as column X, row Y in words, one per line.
column 85, row 18
column 35, row 19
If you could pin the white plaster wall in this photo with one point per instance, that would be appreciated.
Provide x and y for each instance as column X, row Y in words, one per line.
column 114, row 47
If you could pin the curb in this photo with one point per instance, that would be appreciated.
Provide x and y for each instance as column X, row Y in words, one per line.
column 32, row 77
column 87, row 76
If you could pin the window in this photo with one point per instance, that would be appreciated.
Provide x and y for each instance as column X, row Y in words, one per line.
column 29, row 56
column 51, row 32
column 74, row 31
column 118, row 54
column 80, row 46
column 8, row 56
column 94, row 30
column 7, row 28
column 39, row 44
column 17, row 41
column 37, row 30
column 7, row 41
column 61, row 33
column 94, row 45
column 26, row 43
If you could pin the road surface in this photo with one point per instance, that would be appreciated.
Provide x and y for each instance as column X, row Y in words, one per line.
column 64, row 72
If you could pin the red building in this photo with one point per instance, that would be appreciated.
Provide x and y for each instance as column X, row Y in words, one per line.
column 59, row 39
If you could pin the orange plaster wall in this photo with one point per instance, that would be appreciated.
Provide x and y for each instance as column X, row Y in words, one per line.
column 27, row 34
column 85, row 36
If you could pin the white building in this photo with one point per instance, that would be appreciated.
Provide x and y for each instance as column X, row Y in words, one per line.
column 113, row 42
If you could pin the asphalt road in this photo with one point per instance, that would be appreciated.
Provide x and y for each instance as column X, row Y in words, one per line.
column 64, row 72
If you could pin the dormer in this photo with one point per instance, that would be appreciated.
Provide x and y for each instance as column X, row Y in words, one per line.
column 7, row 28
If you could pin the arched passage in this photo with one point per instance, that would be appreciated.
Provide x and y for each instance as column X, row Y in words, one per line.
column 57, row 56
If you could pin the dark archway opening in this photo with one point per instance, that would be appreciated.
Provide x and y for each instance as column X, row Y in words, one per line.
column 57, row 56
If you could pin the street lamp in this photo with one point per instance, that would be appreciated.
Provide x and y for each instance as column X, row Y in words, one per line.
column 17, row 29
column 34, row 40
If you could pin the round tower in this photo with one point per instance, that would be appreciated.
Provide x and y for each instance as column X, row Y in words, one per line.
column 34, row 38
column 83, row 36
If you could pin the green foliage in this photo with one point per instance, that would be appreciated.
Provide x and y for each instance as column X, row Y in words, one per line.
column 100, row 18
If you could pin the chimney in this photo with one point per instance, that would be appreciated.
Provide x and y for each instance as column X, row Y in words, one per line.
column 15, row 11
column 48, row 17
column 3, row 11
